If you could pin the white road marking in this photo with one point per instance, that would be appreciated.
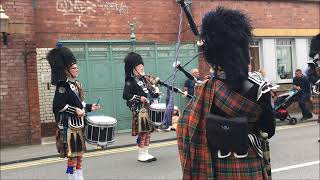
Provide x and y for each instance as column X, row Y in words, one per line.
column 295, row 126
column 295, row 166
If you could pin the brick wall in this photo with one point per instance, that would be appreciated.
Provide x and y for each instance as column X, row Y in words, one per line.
column 46, row 93
column 19, row 103
column 268, row 14
column 156, row 20
column 38, row 25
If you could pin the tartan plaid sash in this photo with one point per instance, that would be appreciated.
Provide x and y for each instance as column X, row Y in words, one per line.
column 233, row 104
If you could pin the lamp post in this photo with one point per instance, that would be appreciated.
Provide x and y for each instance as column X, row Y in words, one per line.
column 4, row 26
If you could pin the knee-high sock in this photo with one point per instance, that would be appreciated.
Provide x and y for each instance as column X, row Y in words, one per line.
column 79, row 162
column 70, row 166
column 147, row 139
column 142, row 139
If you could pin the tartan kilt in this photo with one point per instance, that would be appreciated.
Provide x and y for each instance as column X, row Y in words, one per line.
column 250, row 167
column 135, row 125
column 316, row 103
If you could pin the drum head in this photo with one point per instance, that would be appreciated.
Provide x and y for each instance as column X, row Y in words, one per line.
column 160, row 106
column 101, row 120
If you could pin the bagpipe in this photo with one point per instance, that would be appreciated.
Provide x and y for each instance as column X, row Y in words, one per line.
column 153, row 82
column 177, row 66
column 192, row 24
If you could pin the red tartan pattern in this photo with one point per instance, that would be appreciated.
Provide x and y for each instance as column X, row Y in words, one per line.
column 193, row 148
column 316, row 103
column 251, row 167
column 234, row 104
column 79, row 162
column 192, row 143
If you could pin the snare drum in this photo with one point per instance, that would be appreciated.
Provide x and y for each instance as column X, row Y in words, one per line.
column 156, row 113
column 100, row 130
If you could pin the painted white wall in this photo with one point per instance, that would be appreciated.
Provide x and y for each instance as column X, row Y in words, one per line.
column 269, row 59
column 301, row 53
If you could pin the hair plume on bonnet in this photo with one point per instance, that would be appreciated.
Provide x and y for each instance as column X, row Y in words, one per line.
column 227, row 34
column 314, row 46
column 130, row 62
column 60, row 59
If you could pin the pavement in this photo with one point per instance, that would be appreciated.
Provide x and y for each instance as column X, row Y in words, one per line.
column 47, row 149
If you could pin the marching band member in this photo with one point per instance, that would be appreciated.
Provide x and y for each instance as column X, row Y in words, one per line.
column 314, row 77
column 206, row 151
column 139, row 95
column 69, row 109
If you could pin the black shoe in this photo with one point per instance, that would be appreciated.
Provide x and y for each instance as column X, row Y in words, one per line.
column 153, row 159
column 146, row 161
column 305, row 118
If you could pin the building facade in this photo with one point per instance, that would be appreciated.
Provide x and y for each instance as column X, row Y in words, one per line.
column 98, row 32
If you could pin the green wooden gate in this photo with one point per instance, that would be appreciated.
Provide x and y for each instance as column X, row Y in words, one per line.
column 102, row 71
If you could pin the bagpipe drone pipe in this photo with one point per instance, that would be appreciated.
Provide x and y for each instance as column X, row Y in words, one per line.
column 170, row 88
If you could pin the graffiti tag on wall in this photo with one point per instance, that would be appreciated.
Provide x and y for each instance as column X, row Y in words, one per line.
column 86, row 8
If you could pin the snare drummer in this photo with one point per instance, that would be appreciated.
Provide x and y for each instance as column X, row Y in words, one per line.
column 139, row 95
column 69, row 109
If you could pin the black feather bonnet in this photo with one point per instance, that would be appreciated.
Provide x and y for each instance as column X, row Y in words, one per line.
column 60, row 59
column 314, row 52
column 130, row 62
column 227, row 34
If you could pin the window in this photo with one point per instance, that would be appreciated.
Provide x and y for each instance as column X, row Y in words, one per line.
column 254, row 55
column 284, row 58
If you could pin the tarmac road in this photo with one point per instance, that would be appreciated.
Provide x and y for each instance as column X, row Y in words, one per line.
column 294, row 153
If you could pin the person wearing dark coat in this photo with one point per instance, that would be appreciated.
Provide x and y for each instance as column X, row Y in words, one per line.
column 139, row 95
column 69, row 109
column 231, row 94
column 301, row 83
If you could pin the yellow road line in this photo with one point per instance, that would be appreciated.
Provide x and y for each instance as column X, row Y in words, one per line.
column 86, row 155
column 118, row 150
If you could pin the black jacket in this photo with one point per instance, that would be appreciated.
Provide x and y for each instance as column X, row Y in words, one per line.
column 132, row 92
column 66, row 100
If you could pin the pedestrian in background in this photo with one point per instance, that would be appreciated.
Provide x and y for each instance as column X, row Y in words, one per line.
column 190, row 84
column 301, row 83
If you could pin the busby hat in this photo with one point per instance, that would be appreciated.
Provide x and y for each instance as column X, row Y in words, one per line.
column 227, row 34
column 60, row 59
column 314, row 52
column 130, row 62
column 314, row 46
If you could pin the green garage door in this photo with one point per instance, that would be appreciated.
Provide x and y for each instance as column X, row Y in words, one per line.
column 102, row 72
